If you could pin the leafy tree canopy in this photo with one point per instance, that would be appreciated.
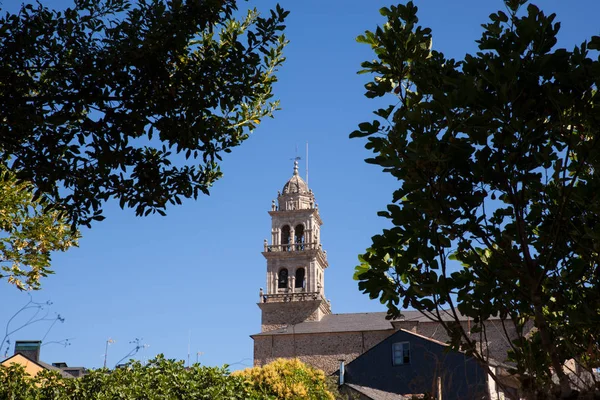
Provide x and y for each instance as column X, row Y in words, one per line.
column 497, row 159
column 134, row 101
column 287, row 379
column 30, row 232
column 168, row 379
column 158, row 379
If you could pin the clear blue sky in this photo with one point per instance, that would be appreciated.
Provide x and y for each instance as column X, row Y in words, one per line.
column 199, row 269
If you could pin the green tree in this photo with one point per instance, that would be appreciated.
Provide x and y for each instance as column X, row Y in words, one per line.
column 497, row 159
column 31, row 231
column 15, row 384
column 131, row 102
column 161, row 378
column 158, row 379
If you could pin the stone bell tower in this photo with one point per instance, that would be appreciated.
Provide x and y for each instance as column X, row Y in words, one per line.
column 296, row 262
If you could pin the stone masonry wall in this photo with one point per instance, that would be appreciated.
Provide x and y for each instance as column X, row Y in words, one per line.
column 321, row 350
column 324, row 350
column 277, row 315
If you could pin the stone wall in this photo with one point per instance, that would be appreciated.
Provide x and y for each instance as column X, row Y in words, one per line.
column 277, row 315
column 321, row 350
column 324, row 350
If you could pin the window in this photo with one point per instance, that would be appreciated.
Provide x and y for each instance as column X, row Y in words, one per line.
column 299, row 239
column 282, row 279
column 299, row 278
column 285, row 237
column 401, row 353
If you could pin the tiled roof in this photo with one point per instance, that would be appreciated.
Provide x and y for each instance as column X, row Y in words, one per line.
column 426, row 338
column 41, row 364
column 53, row 368
column 337, row 323
column 375, row 394
column 351, row 322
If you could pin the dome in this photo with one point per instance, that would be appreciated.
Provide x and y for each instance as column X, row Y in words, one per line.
column 295, row 184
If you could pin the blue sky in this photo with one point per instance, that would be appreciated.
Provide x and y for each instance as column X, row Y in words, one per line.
column 194, row 275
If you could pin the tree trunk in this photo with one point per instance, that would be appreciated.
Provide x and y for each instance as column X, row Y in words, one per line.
column 548, row 346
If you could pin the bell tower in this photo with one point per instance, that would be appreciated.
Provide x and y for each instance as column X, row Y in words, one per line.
column 296, row 262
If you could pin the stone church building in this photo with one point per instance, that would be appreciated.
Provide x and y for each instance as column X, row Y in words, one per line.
column 297, row 320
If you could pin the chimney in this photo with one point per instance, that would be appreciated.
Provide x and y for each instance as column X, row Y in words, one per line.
column 29, row 349
column 342, row 372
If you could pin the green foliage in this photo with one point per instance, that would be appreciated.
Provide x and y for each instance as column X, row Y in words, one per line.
column 30, row 231
column 134, row 101
column 159, row 379
column 287, row 379
column 497, row 159
column 169, row 379
column 15, row 384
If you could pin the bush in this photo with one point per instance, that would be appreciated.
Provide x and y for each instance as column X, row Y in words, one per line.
column 286, row 379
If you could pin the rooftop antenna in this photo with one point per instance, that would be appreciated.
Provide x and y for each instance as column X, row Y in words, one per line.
column 307, row 164
column 108, row 341
column 189, row 341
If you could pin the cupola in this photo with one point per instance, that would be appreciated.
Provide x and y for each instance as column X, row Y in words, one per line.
column 296, row 184
column 296, row 195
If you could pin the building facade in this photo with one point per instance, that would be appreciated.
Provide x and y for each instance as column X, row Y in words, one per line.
column 296, row 261
column 408, row 363
column 296, row 317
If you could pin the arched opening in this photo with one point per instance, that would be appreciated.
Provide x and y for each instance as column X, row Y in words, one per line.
column 300, row 284
column 282, row 279
column 285, row 237
column 299, row 237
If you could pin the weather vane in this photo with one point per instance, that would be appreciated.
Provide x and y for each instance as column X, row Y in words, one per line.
column 297, row 156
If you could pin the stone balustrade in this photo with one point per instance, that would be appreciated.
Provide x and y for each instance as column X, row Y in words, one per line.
column 291, row 247
column 287, row 297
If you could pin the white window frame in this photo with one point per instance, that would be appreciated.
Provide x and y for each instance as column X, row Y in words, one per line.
column 400, row 347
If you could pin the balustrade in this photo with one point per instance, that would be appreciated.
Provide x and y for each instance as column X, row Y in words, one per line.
column 287, row 297
column 291, row 247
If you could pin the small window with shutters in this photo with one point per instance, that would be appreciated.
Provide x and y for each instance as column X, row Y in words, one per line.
column 401, row 353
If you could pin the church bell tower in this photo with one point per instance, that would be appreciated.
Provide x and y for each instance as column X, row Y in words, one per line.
column 296, row 262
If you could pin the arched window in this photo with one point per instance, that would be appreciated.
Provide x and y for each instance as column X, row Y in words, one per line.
column 299, row 237
column 282, row 279
column 300, row 278
column 285, row 237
